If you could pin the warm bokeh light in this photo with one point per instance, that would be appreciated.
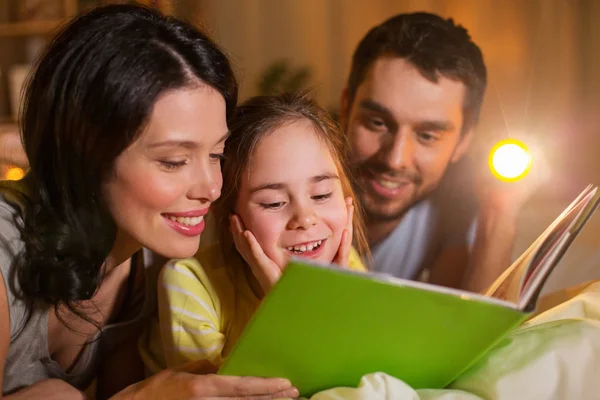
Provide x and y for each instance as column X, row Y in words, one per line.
column 510, row 160
column 14, row 174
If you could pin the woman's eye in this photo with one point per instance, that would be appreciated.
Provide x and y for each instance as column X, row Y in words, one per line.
column 217, row 157
column 172, row 165
column 322, row 197
column 272, row 206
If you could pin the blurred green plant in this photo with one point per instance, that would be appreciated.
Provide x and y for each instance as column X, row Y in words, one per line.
column 281, row 77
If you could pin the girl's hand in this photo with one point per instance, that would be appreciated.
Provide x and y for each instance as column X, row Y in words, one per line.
column 265, row 270
column 343, row 255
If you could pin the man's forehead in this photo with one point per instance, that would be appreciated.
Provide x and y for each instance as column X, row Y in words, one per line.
column 398, row 86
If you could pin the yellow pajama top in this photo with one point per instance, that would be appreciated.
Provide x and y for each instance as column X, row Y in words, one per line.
column 203, row 307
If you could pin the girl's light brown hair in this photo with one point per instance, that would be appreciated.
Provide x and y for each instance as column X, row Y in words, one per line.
column 259, row 117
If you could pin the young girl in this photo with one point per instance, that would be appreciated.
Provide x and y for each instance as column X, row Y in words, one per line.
column 286, row 192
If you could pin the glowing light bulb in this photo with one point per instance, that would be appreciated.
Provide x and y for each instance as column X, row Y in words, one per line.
column 14, row 174
column 510, row 160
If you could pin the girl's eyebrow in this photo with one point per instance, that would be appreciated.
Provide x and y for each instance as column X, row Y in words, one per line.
column 324, row 177
column 281, row 186
column 267, row 186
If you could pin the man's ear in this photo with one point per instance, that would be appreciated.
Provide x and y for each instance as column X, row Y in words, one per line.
column 462, row 146
column 344, row 109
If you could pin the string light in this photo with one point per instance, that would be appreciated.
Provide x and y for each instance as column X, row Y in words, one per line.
column 14, row 174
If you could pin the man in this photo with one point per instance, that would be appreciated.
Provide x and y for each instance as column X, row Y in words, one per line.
column 412, row 101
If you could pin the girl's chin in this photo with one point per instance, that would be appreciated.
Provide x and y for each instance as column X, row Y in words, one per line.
column 321, row 259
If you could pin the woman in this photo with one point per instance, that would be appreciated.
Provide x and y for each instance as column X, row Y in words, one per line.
column 123, row 124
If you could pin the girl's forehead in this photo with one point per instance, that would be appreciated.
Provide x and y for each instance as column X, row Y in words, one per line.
column 293, row 150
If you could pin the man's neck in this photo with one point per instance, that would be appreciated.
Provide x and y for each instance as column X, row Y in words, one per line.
column 377, row 231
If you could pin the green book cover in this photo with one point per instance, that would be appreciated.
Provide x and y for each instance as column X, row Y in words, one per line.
column 326, row 326
column 322, row 327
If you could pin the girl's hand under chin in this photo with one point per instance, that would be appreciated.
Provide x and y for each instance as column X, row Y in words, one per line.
column 342, row 257
column 265, row 270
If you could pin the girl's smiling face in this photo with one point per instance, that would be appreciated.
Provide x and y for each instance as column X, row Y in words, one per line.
column 291, row 197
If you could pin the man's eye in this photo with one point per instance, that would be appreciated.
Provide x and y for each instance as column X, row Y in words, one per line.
column 426, row 137
column 375, row 123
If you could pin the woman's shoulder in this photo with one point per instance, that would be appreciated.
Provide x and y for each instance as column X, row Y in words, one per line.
column 12, row 203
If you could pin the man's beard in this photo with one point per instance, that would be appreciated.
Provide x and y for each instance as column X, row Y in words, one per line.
column 377, row 208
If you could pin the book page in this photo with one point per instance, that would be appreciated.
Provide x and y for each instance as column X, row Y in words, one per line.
column 509, row 286
column 532, row 288
column 541, row 273
column 547, row 246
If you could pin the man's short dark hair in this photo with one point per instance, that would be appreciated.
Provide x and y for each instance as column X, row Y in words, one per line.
column 435, row 46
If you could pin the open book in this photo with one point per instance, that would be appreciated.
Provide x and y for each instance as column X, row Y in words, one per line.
column 523, row 281
column 323, row 326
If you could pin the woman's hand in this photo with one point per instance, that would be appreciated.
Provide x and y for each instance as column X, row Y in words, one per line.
column 343, row 255
column 265, row 270
column 196, row 381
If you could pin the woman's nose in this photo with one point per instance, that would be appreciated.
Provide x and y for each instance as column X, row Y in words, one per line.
column 207, row 184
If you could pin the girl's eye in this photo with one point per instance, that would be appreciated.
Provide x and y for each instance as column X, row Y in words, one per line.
column 322, row 197
column 172, row 165
column 272, row 206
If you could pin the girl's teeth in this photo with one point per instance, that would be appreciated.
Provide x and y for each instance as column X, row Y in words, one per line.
column 303, row 248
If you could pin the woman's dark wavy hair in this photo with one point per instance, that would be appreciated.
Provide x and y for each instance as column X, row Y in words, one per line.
column 88, row 99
